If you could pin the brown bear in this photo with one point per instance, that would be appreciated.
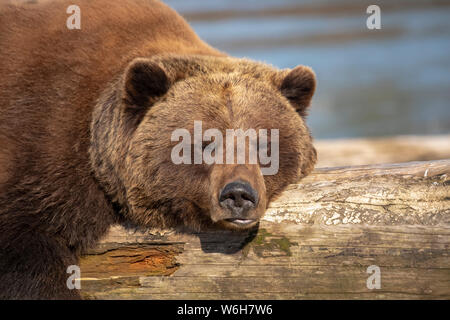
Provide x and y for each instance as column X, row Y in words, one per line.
column 86, row 123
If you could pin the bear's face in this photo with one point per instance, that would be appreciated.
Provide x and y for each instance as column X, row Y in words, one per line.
column 182, row 117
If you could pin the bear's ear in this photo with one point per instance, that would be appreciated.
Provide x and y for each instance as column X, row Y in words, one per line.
column 298, row 87
column 145, row 81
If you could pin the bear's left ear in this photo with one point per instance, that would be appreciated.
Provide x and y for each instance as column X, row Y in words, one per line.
column 298, row 87
column 144, row 82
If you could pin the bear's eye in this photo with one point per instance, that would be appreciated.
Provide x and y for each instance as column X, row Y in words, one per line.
column 265, row 148
column 199, row 153
column 205, row 144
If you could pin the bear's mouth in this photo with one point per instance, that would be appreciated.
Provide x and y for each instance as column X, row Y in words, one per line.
column 240, row 222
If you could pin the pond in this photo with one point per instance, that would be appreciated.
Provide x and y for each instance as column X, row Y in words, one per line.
column 391, row 81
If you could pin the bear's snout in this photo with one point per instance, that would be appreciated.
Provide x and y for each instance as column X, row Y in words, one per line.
column 239, row 198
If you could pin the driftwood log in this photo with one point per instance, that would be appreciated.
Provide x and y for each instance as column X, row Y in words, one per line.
column 362, row 151
column 315, row 242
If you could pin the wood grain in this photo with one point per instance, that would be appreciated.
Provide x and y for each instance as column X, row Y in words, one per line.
column 315, row 242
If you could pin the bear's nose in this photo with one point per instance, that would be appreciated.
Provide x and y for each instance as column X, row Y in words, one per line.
column 239, row 197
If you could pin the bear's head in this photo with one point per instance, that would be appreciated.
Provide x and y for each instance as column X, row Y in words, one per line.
column 201, row 141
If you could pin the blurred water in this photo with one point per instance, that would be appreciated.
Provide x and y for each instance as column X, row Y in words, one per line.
column 371, row 82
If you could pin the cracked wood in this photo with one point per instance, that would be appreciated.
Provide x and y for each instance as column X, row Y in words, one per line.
column 315, row 241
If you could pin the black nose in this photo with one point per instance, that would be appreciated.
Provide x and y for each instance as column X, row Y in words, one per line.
column 239, row 197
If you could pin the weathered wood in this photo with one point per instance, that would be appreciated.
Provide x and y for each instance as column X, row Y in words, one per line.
column 363, row 151
column 316, row 242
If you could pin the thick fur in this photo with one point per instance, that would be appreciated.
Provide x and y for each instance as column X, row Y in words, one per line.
column 85, row 123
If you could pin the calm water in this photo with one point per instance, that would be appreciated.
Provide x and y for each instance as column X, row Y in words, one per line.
column 371, row 82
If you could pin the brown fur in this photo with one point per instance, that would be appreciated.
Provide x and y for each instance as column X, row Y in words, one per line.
column 85, row 124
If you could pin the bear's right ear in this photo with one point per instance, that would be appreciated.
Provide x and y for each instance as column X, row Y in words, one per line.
column 145, row 81
column 298, row 86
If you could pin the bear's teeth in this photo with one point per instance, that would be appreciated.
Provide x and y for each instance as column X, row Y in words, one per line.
column 241, row 221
